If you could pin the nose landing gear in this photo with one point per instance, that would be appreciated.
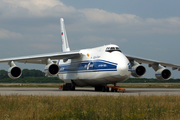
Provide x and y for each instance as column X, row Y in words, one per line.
column 67, row 87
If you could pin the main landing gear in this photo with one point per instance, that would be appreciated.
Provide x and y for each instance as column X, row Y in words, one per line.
column 71, row 87
column 67, row 87
column 102, row 88
column 106, row 88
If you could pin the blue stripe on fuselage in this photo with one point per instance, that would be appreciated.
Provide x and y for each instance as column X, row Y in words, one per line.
column 88, row 66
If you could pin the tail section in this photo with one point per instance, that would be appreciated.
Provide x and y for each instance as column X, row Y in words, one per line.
column 65, row 45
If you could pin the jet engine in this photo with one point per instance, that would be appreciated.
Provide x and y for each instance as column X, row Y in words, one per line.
column 51, row 69
column 163, row 74
column 14, row 72
column 138, row 70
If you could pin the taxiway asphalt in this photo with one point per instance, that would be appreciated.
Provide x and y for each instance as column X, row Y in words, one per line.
column 88, row 92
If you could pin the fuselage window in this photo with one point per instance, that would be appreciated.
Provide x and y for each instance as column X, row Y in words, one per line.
column 111, row 49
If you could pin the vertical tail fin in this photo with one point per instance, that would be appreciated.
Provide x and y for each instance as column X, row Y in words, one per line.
column 65, row 45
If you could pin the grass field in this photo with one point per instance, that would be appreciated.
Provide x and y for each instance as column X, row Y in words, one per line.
column 90, row 108
column 125, row 85
column 150, row 85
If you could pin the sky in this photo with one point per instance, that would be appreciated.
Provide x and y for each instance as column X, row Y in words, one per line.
column 148, row 29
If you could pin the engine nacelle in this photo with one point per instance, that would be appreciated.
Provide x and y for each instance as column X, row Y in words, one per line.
column 163, row 74
column 51, row 69
column 14, row 72
column 138, row 70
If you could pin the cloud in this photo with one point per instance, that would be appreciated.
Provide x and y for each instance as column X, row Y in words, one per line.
column 163, row 26
column 38, row 8
column 102, row 16
column 131, row 23
column 38, row 20
column 88, row 20
column 5, row 34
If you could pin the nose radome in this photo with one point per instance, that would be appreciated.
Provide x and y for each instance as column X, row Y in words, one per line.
column 123, row 68
column 122, row 63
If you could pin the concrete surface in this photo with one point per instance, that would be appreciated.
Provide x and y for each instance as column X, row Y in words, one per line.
column 87, row 92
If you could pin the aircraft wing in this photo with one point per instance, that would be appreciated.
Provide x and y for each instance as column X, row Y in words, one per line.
column 41, row 58
column 152, row 62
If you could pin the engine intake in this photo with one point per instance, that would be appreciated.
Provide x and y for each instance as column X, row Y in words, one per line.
column 14, row 72
column 163, row 74
column 138, row 70
column 51, row 69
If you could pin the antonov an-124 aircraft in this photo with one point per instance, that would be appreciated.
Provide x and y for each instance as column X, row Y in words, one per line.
column 95, row 67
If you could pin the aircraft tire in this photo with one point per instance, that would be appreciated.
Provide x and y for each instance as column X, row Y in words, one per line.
column 68, row 86
column 65, row 88
column 98, row 88
column 105, row 89
column 73, row 88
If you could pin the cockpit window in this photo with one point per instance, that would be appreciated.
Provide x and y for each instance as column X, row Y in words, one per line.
column 111, row 49
column 117, row 48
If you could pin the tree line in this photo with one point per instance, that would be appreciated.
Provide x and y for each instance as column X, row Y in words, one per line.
column 37, row 76
column 29, row 76
column 25, row 73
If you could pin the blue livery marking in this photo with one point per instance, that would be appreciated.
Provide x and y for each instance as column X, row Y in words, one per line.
column 88, row 66
column 129, row 67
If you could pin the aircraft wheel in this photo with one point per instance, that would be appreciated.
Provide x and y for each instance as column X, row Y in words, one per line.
column 98, row 88
column 65, row 88
column 68, row 86
column 73, row 88
column 105, row 89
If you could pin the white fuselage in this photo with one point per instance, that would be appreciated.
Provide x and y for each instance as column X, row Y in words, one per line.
column 95, row 67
